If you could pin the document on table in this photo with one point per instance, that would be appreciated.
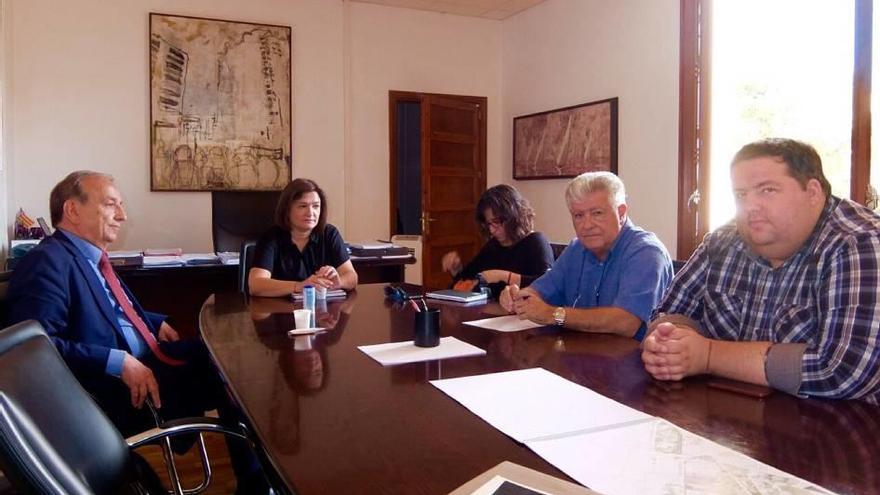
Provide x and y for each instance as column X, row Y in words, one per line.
column 509, row 323
column 535, row 403
column 599, row 442
column 407, row 352
column 669, row 459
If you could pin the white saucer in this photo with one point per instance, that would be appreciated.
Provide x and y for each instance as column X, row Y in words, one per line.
column 305, row 331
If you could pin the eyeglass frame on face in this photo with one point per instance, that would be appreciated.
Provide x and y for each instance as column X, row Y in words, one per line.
column 495, row 222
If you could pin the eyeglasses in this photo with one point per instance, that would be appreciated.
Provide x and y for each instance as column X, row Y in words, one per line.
column 495, row 222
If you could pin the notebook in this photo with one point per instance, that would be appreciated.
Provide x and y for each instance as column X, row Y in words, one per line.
column 457, row 295
column 331, row 294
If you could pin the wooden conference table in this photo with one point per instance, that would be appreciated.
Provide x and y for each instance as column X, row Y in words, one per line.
column 332, row 420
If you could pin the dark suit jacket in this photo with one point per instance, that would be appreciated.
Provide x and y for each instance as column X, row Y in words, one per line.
column 55, row 285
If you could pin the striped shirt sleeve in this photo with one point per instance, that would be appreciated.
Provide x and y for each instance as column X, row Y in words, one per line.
column 844, row 358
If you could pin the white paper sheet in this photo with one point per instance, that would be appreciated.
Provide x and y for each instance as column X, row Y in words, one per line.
column 406, row 352
column 657, row 457
column 535, row 403
column 163, row 261
column 509, row 323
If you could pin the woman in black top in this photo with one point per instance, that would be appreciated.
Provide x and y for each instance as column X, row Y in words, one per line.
column 514, row 254
column 302, row 248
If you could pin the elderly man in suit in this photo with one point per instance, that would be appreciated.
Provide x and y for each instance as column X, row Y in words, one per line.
column 120, row 353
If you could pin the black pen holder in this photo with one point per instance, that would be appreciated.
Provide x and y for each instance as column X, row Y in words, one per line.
column 427, row 328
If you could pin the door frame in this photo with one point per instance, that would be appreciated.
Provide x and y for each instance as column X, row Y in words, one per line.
column 393, row 162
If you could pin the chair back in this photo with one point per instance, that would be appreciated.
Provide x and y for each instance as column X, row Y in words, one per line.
column 557, row 248
column 4, row 290
column 678, row 265
column 238, row 216
column 245, row 260
column 53, row 437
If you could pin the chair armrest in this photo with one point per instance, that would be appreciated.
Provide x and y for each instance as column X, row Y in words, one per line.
column 181, row 426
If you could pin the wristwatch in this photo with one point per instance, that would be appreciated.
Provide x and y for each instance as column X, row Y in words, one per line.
column 559, row 315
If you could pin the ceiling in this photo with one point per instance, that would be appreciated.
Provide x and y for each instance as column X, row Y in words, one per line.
column 487, row 9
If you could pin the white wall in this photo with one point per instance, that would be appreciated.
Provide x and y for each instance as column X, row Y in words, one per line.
column 78, row 98
column 412, row 50
column 566, row 52
column 5, row 50
column 79, row 86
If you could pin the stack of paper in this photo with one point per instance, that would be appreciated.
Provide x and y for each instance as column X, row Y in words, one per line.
column 608, row 446
column 228, row 257
column 331, row 294
column 163, row 261
column 126, row 258
column 457, row 295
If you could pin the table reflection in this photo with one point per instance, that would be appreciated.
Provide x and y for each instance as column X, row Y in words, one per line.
column 331, row 418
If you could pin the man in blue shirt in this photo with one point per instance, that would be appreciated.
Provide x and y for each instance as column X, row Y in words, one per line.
column 609, row 278
column 120, row 353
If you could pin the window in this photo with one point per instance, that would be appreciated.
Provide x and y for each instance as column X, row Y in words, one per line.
column 760, row 68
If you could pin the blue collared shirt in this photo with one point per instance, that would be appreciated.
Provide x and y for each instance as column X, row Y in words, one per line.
column 133, row 338
column 632, row 277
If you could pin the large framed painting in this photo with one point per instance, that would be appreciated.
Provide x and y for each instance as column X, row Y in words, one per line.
column 220, row 104
column 566, row 142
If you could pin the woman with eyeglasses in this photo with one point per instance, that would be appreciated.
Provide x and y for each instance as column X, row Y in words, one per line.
column 302, row 248
column 513, row 254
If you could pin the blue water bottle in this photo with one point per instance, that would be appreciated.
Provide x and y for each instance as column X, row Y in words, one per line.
column 309, row 302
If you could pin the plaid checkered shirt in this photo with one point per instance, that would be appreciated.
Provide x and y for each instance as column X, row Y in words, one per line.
column 826, row 298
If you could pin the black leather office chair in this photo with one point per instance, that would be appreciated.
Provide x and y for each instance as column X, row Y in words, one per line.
column 677, row 265
column 245, row 260
column 557, row 249
column 238, row 216
column 55, row 440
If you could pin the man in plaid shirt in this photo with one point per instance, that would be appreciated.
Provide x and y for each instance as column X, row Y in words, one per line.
column 787, row 295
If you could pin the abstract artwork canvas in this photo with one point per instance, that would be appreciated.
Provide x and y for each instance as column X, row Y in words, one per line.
column 566, row 142
column 220, row 104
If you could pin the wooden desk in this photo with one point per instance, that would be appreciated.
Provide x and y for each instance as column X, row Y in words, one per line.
column 332, row 420
column 179, row 291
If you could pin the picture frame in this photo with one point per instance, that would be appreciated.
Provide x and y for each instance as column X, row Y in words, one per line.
column 566, row 142
column 221, row 104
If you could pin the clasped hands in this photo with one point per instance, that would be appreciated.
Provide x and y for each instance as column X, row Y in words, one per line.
column 325, row 277
column 673, row 352
column 527, row 304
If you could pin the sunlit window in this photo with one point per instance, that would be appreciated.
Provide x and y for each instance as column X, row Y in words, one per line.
column 782, row 68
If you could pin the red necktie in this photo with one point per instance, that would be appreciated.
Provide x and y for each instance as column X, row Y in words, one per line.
column 130, row 313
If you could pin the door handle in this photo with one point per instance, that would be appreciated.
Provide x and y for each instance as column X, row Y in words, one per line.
column 693, row 201
column 426, row 223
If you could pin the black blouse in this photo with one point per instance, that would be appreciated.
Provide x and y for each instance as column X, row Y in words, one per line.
column 277, row 253
column 530, row 257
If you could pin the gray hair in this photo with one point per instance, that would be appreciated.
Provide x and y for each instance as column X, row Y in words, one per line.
column 70, row 188
column 589, row 182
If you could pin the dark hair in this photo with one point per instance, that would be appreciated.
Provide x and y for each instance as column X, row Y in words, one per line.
column 802, row 160
column 293, row 192
column 70, row 188
column 508, row 206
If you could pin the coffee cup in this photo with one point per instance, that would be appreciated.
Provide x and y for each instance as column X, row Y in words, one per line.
column 302, row 318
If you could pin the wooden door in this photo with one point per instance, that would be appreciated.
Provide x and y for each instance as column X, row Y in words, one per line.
column 453, row 177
